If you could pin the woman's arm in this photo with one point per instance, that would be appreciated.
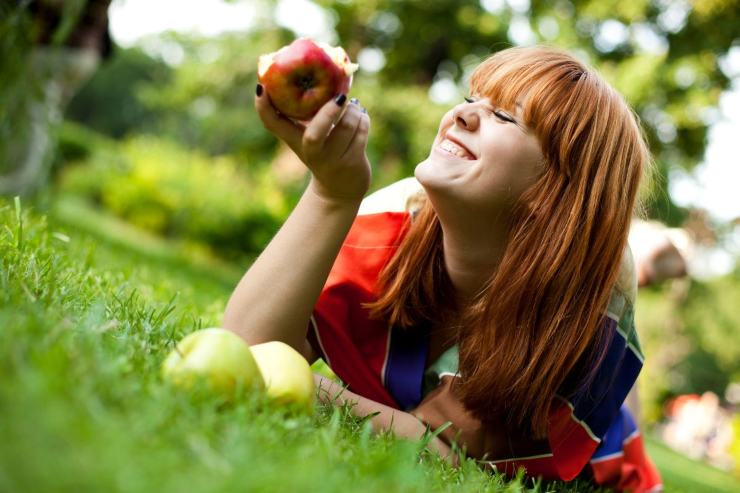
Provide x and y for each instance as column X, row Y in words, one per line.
column 402, row 424
column 274, row 299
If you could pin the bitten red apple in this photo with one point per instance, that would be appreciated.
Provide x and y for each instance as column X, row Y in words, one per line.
column 301, row 77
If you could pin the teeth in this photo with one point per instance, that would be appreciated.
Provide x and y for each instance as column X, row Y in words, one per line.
column 453, row 148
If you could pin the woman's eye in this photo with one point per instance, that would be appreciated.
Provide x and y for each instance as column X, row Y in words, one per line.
column 504, row 117
column 498, row 114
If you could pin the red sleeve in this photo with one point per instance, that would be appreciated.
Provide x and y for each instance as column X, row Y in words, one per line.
column 354, row 346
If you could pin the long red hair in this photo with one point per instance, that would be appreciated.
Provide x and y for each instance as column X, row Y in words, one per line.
column 540, row 312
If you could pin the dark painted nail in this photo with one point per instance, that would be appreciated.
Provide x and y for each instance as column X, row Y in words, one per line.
column 259, row 90
column 364, row 110
column 340, row 99
column 354, row 101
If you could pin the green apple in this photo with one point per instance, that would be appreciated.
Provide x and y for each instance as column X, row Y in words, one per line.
column 286, row 373
column 217, row 356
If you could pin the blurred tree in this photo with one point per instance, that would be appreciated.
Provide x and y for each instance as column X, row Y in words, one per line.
column 17, row 87
column 663, row 55
column 49, row 48
column 109, row 102
column 209, row 103
column 202, row 98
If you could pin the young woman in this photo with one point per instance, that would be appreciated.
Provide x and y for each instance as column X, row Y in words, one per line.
column 504, row 306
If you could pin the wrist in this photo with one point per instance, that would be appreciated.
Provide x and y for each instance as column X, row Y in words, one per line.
column 334, row 200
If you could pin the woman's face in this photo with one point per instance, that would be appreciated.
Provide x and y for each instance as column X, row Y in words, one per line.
column 483, row 157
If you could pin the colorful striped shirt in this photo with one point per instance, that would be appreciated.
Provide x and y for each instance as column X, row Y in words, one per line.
column 591, row 434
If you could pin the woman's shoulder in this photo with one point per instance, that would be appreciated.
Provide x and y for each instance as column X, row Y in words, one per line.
column 402, row 196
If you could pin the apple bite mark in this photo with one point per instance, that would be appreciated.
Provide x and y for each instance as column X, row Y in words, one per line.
column 340, row 58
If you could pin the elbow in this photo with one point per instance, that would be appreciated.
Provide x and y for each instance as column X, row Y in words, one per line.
column 236, row 322
column 228, row 320
column 231, row 322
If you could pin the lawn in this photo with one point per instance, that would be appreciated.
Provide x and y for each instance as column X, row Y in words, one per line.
column 683, row 475
column 88, row 310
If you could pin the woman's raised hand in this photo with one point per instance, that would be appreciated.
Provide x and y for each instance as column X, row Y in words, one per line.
column 316, row 228
column 332, row 145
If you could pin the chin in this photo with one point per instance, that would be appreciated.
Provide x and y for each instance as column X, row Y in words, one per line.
column 435, row 177
column 420, row 171
column 428, row 177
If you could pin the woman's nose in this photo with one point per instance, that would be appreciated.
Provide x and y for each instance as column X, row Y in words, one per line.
column 466, row 117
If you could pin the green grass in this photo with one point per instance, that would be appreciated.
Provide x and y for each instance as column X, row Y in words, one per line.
column 85, row 322
column 683, row 475
column 76, row 214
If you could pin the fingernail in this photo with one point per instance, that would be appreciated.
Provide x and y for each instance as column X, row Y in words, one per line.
column 259, row 90
column 364, row 110
column 354, row 101
column 340, row 99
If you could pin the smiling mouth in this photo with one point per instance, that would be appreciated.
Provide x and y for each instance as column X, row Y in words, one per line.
column 451, row 148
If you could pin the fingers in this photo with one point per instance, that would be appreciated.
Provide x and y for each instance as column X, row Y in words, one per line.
column 335, row 130
column 359, row 140
column 318, row 130
column 343, row 133
column 282, row 127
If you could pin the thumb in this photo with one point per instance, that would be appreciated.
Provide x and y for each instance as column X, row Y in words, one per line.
column 283, row 127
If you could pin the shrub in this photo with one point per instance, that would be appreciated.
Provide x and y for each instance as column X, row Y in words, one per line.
column 158, row 186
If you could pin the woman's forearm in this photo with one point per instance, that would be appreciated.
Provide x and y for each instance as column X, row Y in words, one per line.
column 274, row 299
column 402, row 424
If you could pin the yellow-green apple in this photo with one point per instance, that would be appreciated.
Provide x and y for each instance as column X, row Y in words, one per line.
column 286, row 373
column 302, row 76
column 217, row 356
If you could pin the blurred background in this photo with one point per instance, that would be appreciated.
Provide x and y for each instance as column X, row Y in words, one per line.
column 133, row 120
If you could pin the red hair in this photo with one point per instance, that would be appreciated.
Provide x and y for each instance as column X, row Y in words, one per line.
column 540, row 312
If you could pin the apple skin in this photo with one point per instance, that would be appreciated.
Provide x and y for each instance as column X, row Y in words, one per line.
column 217, row 356
column 286, row 374
column 301, row 77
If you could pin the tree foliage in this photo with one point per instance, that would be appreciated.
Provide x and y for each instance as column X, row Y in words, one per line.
column 17, row 89
column 110, row 102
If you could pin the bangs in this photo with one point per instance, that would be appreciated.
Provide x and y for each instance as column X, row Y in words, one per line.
column 526, row 76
